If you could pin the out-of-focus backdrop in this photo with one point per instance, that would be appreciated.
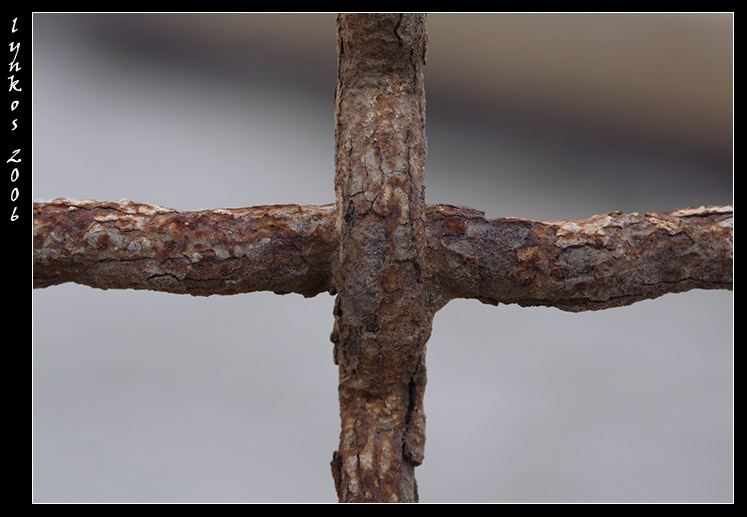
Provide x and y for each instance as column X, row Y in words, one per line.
column 142, row 396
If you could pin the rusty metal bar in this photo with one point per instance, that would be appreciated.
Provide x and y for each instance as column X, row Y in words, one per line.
column 128, row 245
column 604, row 261
column 597, row 263
column 382, row 312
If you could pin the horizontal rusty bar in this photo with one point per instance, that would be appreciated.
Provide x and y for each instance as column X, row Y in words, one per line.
column 604, row 261
column 129, row 245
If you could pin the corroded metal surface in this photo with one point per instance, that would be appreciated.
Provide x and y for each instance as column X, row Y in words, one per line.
column 392, row 260
column 382, row 317
column 604, row 261
column 128, row 245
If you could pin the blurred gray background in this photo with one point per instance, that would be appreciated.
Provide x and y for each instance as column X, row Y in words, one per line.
column 143, row 396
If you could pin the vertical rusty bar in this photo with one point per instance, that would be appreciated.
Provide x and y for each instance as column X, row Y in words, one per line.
column 382, row 315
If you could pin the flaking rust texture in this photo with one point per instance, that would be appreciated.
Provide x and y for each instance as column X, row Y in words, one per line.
column 382, row 313
column 383, row 316
column 111, row 245
column 596, row 263
column 392, row 260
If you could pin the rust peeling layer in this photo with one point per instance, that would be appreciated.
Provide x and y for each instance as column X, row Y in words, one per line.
column 382, row 311
column 129, row 245
column 596, row 263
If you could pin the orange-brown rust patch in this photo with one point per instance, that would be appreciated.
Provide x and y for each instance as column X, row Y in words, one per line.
column 528, row 253
column 390, row 278
column 102, row 240
column 455, row 226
